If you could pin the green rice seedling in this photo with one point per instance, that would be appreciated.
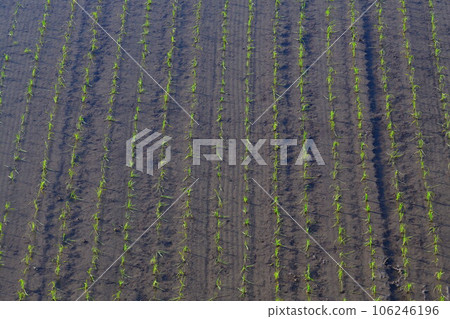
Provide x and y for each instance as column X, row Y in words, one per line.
column 22, row 293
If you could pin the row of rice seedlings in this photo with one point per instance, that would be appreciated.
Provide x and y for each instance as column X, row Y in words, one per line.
column 416, row 115
column 362, row 145
column 246, row 263
column 77, row 140
column 218, row 212
column 22, row 293
column 304, row 108
column 440, row 71
column 7, row 57
column 187, row 210
column 337, row 193
column 6, row 210
column 6, row 60
column 29, row 92
column 13, row 27
column 162, row 173
column 276, row 160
